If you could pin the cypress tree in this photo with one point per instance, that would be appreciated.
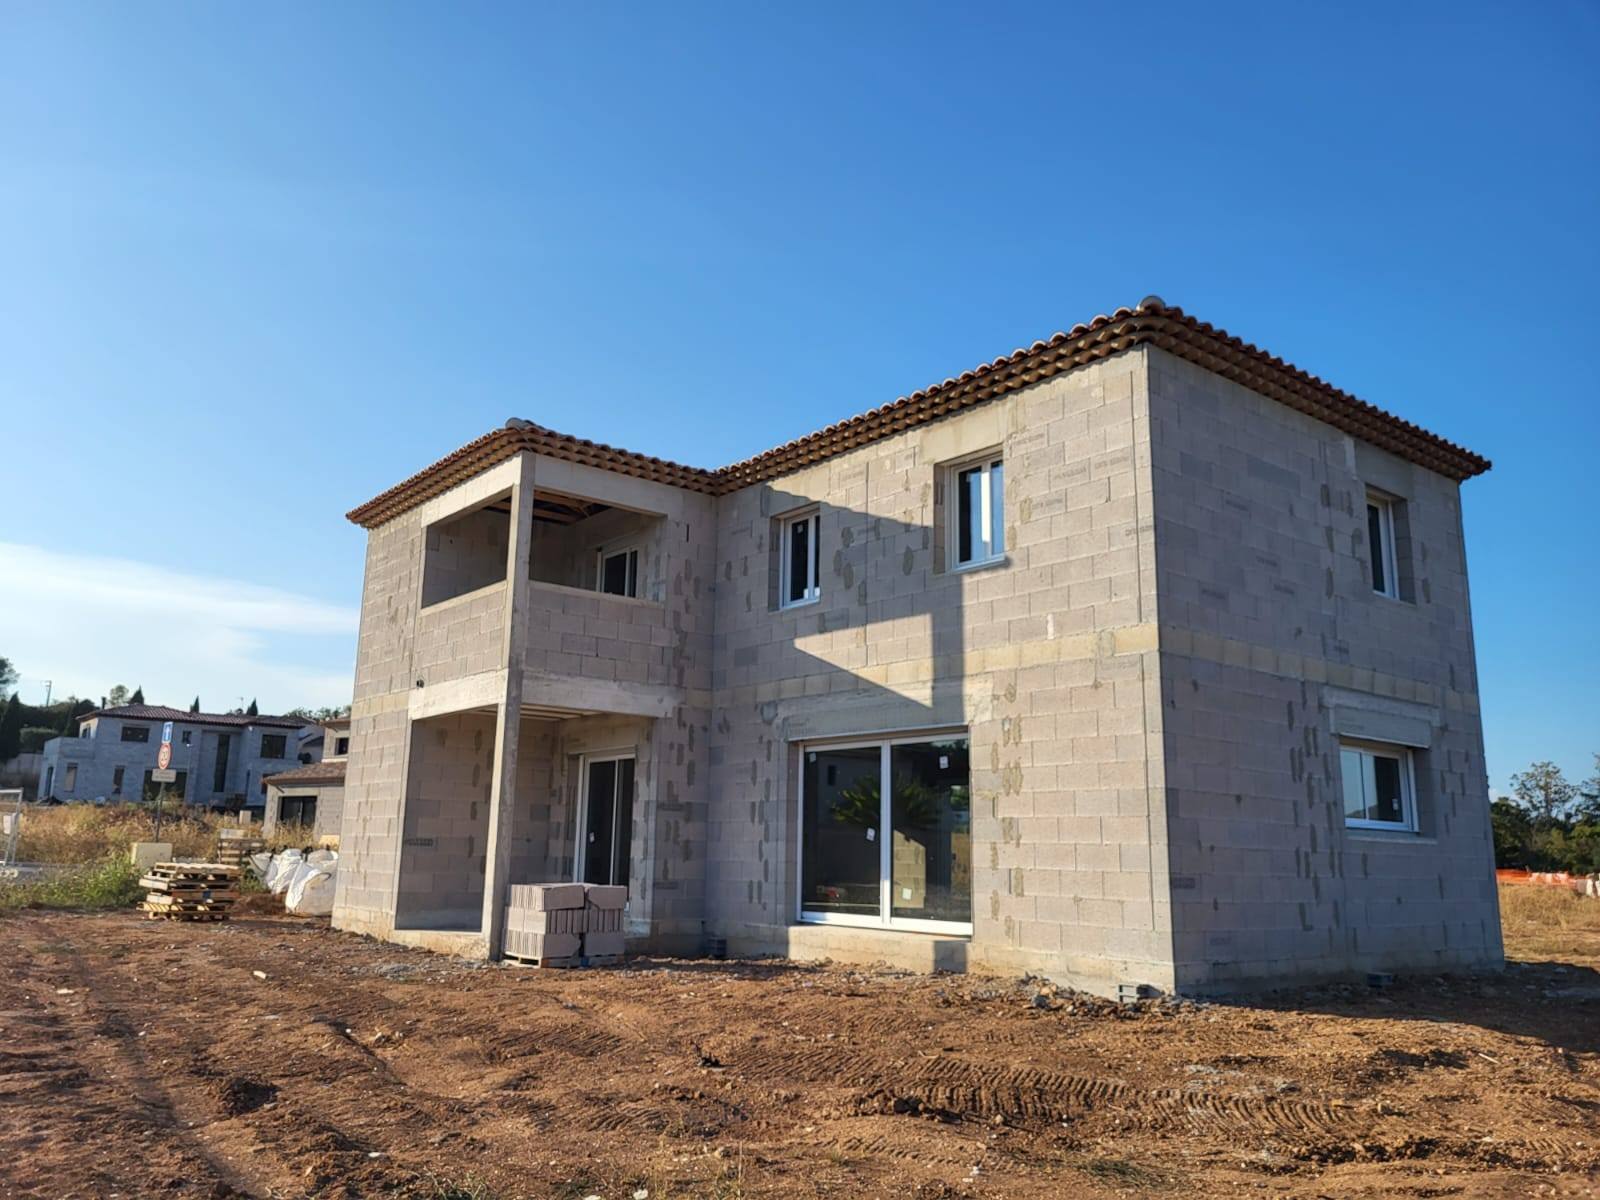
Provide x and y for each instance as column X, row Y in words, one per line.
column 11, row 729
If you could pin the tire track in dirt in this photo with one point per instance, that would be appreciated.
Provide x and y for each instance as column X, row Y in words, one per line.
column 1043, row 1097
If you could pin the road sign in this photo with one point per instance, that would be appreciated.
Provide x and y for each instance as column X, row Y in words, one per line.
column 166, row 733
column 164, row 756
column 162, row 775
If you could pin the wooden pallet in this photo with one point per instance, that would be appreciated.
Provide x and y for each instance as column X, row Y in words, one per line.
column 194, row 872
column 178, row 915
column 154, row 883
column 564, row 962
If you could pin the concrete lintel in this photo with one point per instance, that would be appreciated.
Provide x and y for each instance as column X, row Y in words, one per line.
column 599, row 695
column 484, row 690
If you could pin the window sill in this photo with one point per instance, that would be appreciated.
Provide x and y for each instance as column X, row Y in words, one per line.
column 794, row 604
column 1384, row 833
column 986, row 564
column 877, row 925
column 1411, row 604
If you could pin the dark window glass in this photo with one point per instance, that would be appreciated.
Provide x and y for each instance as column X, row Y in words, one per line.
column 608, row 833
column 969, row 505
column 297, row 810
column 619, row 574
column 136, row 733
column 930, row 805
column 274, row 745
column 341, row 745
column 116, row 781
column 799, row 560
column 1380, row 582
column 1386, row 804
column 842, row 868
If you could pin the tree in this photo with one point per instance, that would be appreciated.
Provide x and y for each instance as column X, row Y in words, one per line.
column 326, row 713
column 195, row 707
column 252, row 711
column 138, row 695
column 1589, row 796
column 1544, row 792
column 8, row 677
column 11, row 729
column 118, row 696
column 1513, row 833
column 75, row 709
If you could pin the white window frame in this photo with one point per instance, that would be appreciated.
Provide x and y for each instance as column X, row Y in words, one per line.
column 612, row 551
column 1408, row 784
column 813, row 584
column 991, row 515
column 1384, row 552
column 580, row 822
column 885, row 920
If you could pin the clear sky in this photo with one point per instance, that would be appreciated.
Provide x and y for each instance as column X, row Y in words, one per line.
column 259, row 262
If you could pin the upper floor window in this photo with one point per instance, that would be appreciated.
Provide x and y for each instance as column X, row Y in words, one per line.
column 799, row 538
column 274, row 745
column 1379, row 790
column 187, row 734
column 1381, row 545
column 136, row 733
column 341, row 745
column 617, row 572
column 978, row 530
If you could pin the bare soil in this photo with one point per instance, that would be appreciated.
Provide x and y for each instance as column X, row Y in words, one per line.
column 142, row 1059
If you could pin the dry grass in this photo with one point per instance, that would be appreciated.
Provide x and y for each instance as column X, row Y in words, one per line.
column 82, row 833
column 1549, row 923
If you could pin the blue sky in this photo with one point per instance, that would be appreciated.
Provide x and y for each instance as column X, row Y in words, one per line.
column 258, row 263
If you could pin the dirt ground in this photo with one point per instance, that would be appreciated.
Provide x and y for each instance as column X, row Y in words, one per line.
column 147, row 1059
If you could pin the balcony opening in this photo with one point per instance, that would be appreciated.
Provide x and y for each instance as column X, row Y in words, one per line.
column 466, row 552
column 596, row 547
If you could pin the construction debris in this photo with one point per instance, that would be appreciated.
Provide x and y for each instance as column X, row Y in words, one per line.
column 190, row 891
column 235, row 846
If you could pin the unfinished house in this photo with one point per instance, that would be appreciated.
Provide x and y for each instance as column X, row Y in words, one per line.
column 1138, row 657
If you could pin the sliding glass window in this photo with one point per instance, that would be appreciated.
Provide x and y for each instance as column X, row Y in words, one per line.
column 886, row 834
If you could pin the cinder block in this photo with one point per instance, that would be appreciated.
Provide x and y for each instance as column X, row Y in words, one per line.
column 600, row 945
column 542, row 945
column 598, row 895
column 540, row 897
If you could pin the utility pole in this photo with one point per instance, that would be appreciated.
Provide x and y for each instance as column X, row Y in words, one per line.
column 48, row 684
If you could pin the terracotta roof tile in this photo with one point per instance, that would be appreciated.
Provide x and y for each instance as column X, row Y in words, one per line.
column 1152, row 323
column 309, row 773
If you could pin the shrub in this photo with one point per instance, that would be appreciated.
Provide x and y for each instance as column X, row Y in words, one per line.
column 110, row 883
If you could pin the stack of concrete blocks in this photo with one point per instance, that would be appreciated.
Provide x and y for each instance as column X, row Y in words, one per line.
column 602, row 931
column 545, row 921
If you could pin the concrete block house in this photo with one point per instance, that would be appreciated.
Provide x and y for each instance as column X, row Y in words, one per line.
column 311, row 796
column 221, row 758
column 1138, row 656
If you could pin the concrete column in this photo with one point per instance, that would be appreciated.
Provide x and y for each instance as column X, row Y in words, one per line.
column 508, row 714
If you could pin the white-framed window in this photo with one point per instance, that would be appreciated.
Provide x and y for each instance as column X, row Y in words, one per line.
column 977, row 511
column 1379, row 786
column 886, row 833
column 799, row 536
column 1380, row 545
column 616, row 571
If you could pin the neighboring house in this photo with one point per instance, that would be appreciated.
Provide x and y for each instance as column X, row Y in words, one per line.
column 312, row 795
column 1136, row 657
column 221, row 758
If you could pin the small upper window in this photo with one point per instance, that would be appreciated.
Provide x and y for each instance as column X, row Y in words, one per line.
column 617, row 572
column 341, row 745
column 274, row 745
column 980, row 505
column 136, row 733
column 1378, row 792
column 187, row 734
column 1380, row 545
column 800, row 535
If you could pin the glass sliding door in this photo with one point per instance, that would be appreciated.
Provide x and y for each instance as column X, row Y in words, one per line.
column 931, row 811
column 606, row 835
column 842, row 816
column 886, row 834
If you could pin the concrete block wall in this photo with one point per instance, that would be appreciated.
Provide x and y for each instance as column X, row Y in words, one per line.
column 465, row 553
column 445, row 831
column 1272, row 644
column 1049, row 661
column 330, row 807
column 459, row 637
